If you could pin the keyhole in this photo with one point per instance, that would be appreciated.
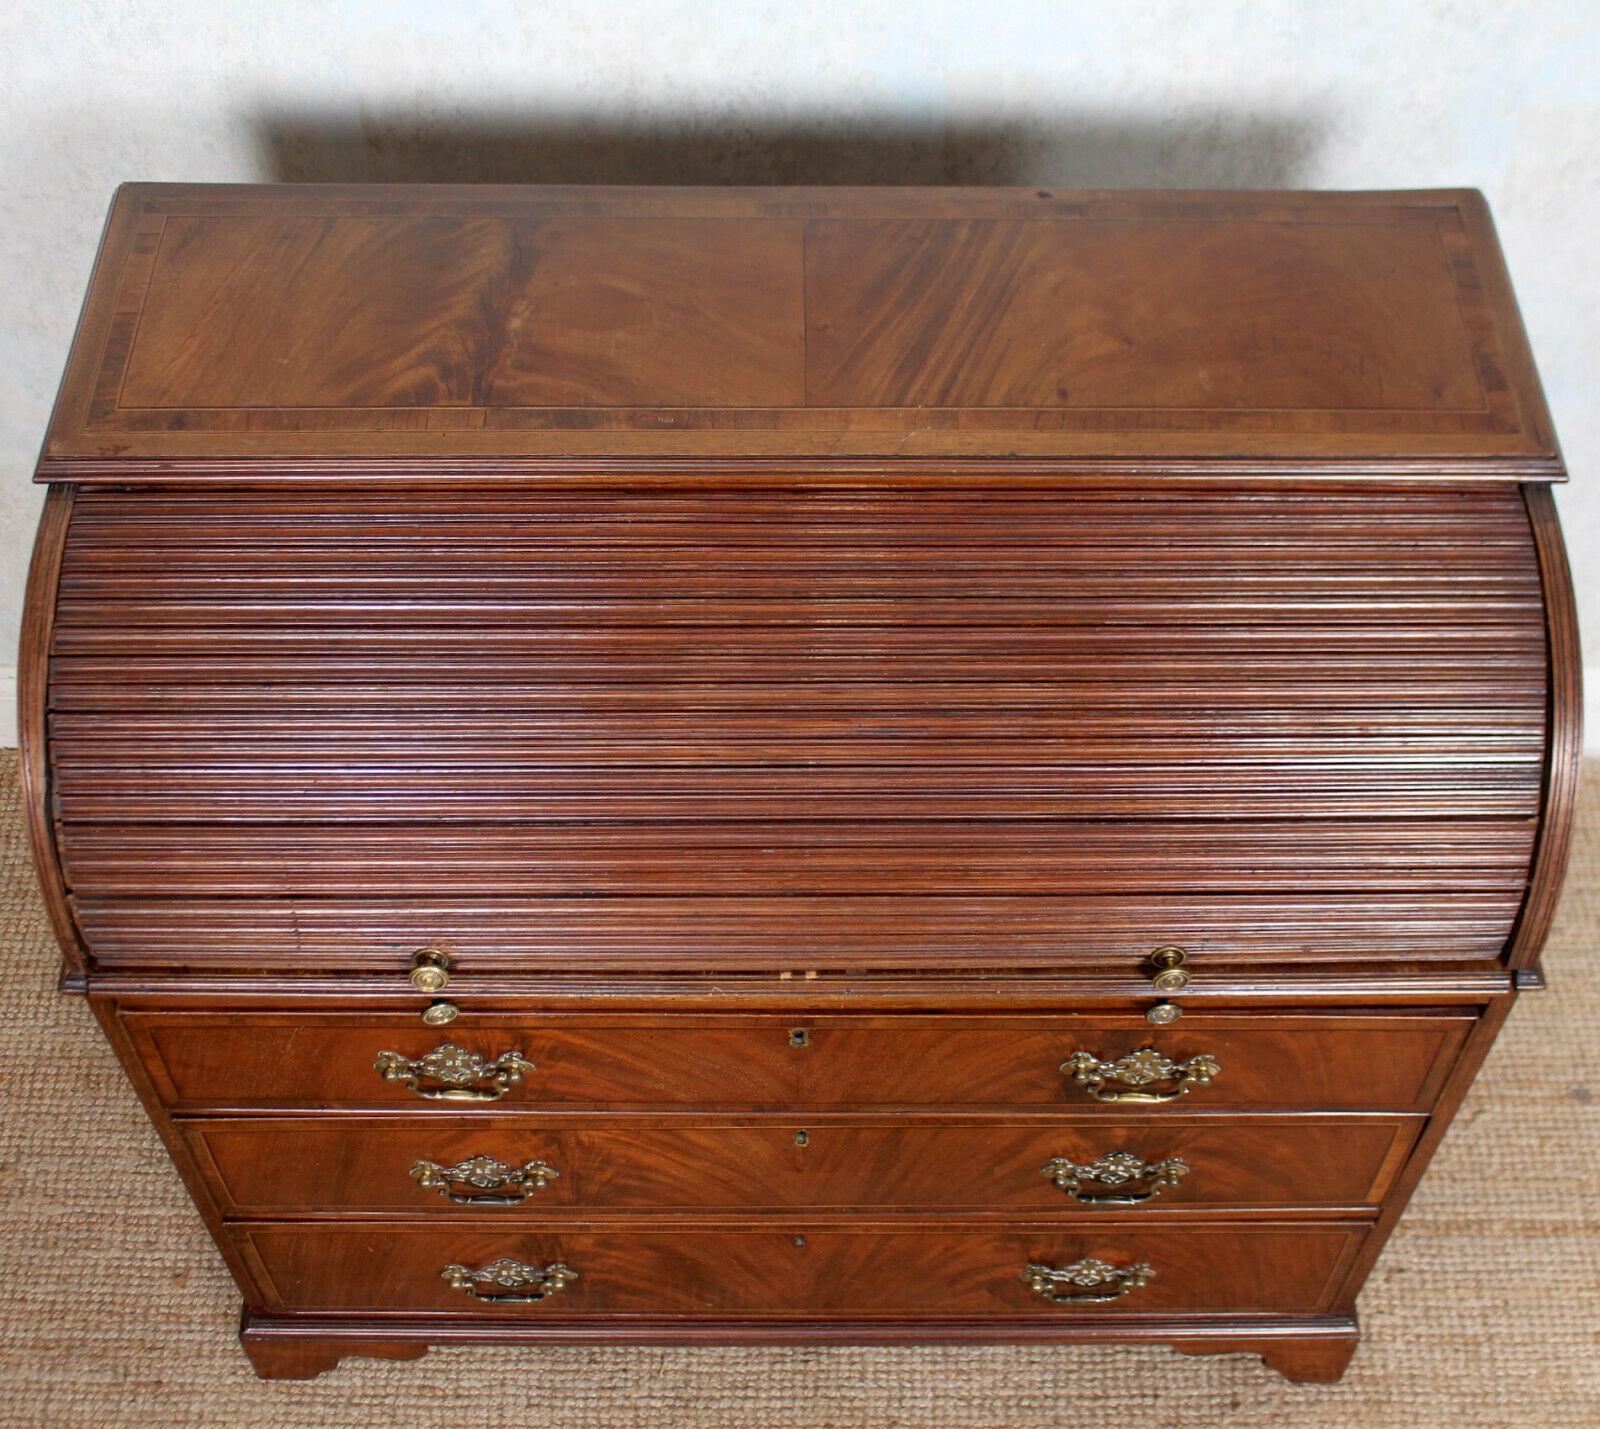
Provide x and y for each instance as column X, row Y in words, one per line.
column 799, row 1240
column 799, row 1037
column 802, row 1138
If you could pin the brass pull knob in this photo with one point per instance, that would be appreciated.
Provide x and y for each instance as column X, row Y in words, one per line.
column 510, row 1282
column 1170, row 976
column 1086, row 1282
column 430, row 970
column 457, row 1070
column 1138, row 1071
column 1121, row 1171
column 475, row 1181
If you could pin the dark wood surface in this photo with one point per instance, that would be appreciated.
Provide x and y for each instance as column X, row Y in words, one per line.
column 799, row 652
column 38, row 775
column 745, row 730
column 1322, row 941
column 262, row 1167
column 1373, row 986
column 1303, row 1348
column 396, row 323
column 308, row 1061
column 877, row 1269
column 1563, row 739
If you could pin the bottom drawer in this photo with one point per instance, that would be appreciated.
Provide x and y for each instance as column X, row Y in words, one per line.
column 796, row 1270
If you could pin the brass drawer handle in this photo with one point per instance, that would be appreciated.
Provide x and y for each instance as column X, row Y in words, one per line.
column 1086, row 1282
column 512, row 1282
column 1137, row 1071
column 458, row 1070
column 485, row 1176
column 1121, row 1171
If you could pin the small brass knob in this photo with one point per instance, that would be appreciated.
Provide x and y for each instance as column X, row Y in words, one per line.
column 1163, row 1013
column 430, row 970
column 440, row 1014
column 1170, row 976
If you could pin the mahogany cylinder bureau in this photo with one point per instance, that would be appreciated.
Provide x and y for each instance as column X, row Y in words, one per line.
column 641, row 765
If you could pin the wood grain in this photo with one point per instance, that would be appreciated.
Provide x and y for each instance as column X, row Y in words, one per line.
column 935, row 313
column 33, row 680
column 811, row 859
column 570, row 313
column 263, row 1167
column 823, row 323
column 876, row 1270
column 771, row 712
column 308, row 1061
column 1564, row 739
column 1225, row 934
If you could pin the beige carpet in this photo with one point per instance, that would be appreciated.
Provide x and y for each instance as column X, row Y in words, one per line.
column 114, row 1308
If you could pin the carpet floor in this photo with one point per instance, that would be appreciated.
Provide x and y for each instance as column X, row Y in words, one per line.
column 115, row 1308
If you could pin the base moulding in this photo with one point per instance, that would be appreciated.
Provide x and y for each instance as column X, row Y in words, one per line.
column 1303, row 1349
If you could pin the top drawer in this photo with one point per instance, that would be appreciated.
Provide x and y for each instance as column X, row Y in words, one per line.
column 211, row 1061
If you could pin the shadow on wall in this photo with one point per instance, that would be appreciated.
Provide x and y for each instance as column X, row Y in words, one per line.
column 1195, row 151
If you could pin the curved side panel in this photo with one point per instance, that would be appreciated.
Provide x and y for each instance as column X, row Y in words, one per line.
column 33, row 677
column 1565, row 737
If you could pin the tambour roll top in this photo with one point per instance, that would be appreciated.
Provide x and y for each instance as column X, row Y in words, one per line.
column 762, row 729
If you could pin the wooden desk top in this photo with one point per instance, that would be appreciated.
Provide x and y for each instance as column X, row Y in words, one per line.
column 379, row 328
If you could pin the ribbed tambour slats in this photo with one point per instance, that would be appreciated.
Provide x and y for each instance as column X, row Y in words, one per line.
column 582, row 860
column 583, row 729
column 629, row 932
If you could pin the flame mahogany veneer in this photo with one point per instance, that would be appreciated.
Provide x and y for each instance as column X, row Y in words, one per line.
column 798, row 654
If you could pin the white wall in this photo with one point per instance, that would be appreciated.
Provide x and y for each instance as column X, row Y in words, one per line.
column 1499, row 94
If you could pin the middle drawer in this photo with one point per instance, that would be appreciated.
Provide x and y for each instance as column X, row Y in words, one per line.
column 413, row 1165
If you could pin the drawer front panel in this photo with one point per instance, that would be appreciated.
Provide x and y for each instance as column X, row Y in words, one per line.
column 925, row 1272
column 271, row 1167
column 1389, row 1062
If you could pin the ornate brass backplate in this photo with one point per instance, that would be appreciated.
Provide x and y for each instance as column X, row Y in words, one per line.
column 462, row 1076
column 509, row 1282
column 1128, row 1179
column 1139, row 1071
column 1086, row 1282
column 484, row 1181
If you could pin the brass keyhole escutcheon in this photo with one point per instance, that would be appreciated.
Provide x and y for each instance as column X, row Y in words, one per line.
column 799, row 1037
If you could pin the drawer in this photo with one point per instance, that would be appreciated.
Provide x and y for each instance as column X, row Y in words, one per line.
column 1375, row 1062
column 926, row 1271
column 517, row 1165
